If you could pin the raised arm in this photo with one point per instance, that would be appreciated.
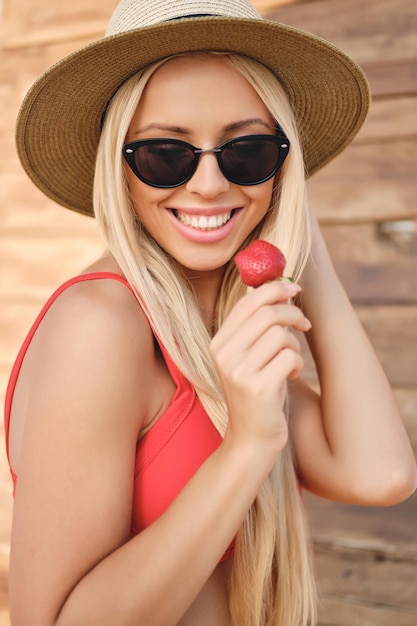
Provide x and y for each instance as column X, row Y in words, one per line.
column 351, row 444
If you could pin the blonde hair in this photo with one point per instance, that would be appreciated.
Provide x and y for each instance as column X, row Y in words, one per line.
column 272, row 580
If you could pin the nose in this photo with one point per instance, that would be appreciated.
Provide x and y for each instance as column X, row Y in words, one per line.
column 208, row 179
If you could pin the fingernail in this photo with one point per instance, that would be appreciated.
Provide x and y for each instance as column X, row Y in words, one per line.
column 292, row 288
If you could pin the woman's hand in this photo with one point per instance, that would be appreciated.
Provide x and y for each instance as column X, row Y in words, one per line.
column 255, row 352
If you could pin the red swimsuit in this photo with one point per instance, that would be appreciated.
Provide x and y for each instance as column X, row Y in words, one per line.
column 170, row 453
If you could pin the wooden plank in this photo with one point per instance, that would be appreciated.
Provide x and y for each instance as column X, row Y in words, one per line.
column 373, row 267
column 393, row 332
column 48, row 21
column 33, row 266
column 389, row 78
column 343, row 612
column 367, row 182
column 387, row 530
column 28, row 213
column 365, row 559
column 391, row 119
column 263, row 6
column 73, row 33
column 365, row 575
column 368, row 30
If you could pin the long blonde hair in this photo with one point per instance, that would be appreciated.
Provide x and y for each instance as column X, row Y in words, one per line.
column 272, row 581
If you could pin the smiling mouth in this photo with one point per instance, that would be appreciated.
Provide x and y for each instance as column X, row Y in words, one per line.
column 204, row 222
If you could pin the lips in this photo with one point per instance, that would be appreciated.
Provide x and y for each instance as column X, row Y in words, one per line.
column 203, row 222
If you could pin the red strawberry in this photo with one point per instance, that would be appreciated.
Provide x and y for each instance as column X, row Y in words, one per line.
column 259, row 262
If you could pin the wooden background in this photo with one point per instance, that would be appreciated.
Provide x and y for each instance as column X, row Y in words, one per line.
column 366, row 559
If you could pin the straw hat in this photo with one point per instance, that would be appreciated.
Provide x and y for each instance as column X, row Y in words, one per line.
column 58, row 126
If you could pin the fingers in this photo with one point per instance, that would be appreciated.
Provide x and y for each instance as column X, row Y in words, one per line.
column 257, row 338
column 275, row 292
column 268, row 316
column 272, row 358
column 271, row 343
column 249, row 321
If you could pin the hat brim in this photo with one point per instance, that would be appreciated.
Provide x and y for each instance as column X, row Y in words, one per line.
column 58, row 126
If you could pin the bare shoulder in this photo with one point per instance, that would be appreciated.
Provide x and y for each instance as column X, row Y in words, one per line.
column 95, row 316
column 92, row 354
column 105, row 299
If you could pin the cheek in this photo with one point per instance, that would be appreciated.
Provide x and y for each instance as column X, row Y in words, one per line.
column 142, row 195
column 262, row 195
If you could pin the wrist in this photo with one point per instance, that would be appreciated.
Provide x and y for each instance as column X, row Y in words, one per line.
column 252, row 456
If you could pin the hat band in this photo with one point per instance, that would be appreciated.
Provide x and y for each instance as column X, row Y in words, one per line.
column 183, row 17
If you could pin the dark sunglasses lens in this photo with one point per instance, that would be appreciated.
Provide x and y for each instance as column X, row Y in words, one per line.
column 250, row 161
column 164, row 164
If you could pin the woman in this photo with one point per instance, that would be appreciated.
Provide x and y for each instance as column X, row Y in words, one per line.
column 158, row 428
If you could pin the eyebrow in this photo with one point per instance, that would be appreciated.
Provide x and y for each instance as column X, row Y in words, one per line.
column 238, row 125
column 161, row 126
column 245, row 123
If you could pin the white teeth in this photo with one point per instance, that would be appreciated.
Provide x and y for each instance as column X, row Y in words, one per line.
column 202, row 222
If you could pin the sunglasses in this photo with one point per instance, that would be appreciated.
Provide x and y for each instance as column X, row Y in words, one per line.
column 247, row 160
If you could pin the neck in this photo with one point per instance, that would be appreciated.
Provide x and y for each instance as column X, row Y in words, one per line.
column 206, row 288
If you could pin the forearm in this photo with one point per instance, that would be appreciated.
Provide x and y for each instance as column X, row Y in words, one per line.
column 155, row 577
column 361, row 422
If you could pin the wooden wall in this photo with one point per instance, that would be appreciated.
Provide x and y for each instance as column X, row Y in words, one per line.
column 366, row 201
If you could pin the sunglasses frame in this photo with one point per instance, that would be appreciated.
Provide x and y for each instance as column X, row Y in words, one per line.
column 280, row 140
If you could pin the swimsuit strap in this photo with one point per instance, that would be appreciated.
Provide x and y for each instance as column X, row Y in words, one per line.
column 173, row 370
